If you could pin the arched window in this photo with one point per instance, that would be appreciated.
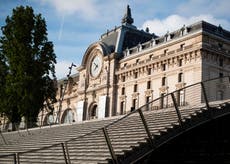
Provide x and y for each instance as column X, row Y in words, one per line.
column 67, row 116
column 93, row 112
column 49, row 119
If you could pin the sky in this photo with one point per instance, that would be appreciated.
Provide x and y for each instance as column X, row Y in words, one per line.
column 75, row 24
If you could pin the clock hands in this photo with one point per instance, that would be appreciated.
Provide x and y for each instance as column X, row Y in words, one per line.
column 95, row 66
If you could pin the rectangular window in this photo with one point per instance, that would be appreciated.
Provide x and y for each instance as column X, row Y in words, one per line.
column 134, row 105
column 135, row 88
column 180, row 62
column 123, row 91
column 149, row 71
column 135, row 75
column 163, row 83
column 123, row 78
column 221, row 62
column 163, row 67
column 148, row 99
column 162, row 101
column 180, row 77
column 122, row 107
column 221, row 74
column 148, row 84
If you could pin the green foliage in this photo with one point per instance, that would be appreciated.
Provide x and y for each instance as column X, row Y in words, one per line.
column 3, row 73
column 30, row 59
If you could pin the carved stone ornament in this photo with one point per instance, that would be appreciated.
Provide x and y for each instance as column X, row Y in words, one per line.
column 148, row 92
column 180, row 85
column 135, row 95
column 122, row 98
column 163, row 89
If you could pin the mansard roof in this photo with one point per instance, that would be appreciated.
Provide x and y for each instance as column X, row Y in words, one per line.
column 125, row 36
column 184, row 30
column 122, row 37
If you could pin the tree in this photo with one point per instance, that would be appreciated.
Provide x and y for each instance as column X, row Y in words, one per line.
column 31, row 65
column 3, row 73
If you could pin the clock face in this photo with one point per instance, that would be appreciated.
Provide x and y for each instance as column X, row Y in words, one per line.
column 96, row 66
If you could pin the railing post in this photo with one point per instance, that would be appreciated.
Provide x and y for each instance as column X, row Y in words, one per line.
column 113, row 155
column 3, row 138
column 15, row 158
column 67, row 152
column 177, row 110
column 18, row 159
column 145, row 126
column 205, row 95
column 63, row 149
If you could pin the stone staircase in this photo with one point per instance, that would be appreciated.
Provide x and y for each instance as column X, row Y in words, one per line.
column 120, row 139
column 46, row 145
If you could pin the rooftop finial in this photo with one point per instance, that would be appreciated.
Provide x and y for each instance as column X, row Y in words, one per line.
column 127, row 19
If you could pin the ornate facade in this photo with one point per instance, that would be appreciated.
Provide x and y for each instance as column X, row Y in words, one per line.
column 128, row 68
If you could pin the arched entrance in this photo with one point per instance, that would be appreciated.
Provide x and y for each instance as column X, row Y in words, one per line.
column 93, row 111
column 67, row 116
column 49, row 119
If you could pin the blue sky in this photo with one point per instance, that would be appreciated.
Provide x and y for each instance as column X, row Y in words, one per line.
column 75, row 24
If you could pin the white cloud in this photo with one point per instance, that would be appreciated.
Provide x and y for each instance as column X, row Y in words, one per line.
column 83, row 8
column 174, row 22
column 62, row 69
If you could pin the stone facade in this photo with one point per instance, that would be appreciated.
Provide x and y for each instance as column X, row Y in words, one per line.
column 128, row 68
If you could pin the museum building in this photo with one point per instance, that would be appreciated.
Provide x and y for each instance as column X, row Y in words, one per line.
column 129, row 67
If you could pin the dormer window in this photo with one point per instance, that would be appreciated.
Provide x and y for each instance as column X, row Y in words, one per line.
column 165, row 52
column 182, row 46
column 166, row 37
column 182, row 31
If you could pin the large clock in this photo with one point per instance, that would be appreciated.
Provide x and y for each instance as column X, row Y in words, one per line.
column 96, row 65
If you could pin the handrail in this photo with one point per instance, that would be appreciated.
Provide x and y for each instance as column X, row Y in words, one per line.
column 120, row 119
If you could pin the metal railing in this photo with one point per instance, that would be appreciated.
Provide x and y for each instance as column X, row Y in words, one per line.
column 145, row 122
